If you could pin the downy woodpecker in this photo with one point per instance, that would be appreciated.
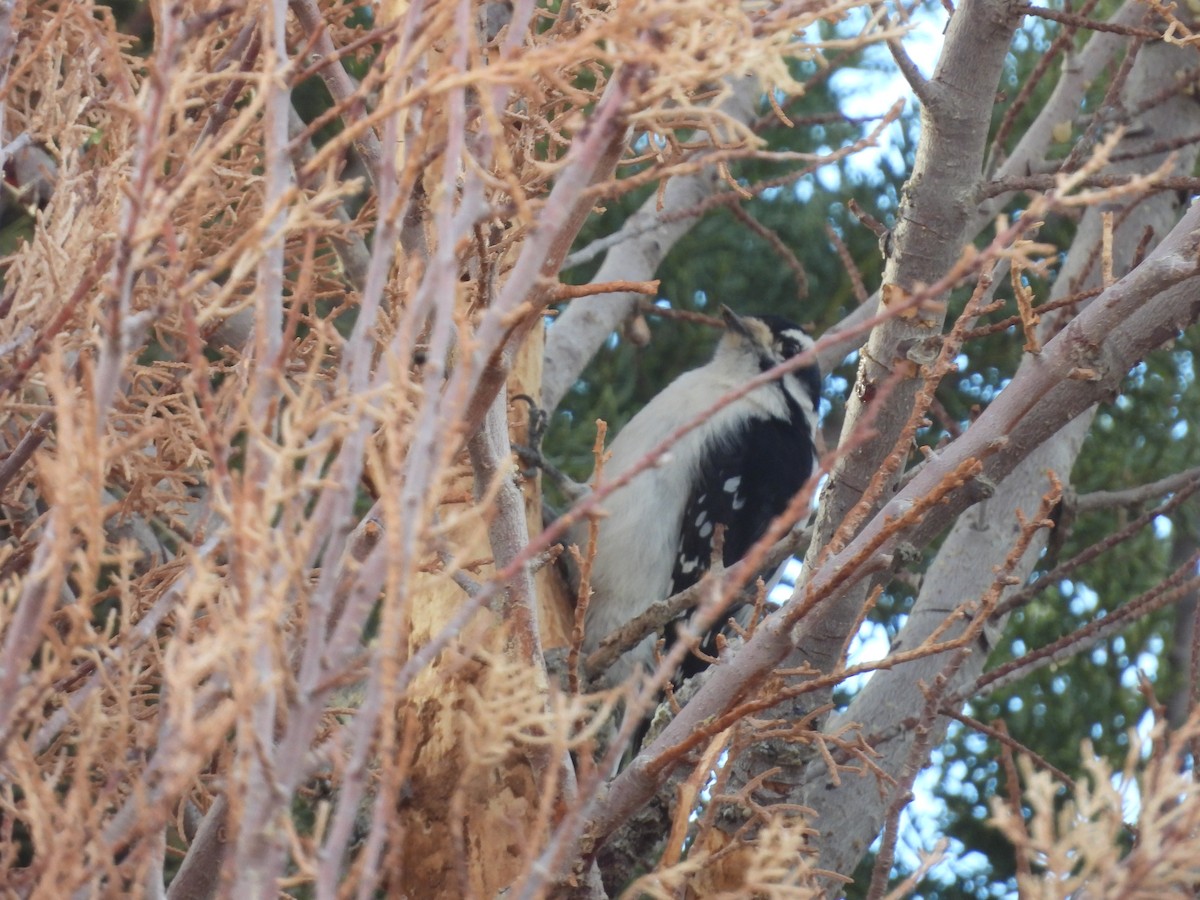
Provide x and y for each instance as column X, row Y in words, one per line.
column 739, row 469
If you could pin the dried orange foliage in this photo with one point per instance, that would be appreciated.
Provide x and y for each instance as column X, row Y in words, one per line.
column 1074, row 847
column 212, row 329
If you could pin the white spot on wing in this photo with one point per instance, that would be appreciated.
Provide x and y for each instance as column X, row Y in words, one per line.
column 732, row 484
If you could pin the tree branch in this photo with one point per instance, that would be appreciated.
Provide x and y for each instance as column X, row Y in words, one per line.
column 1136, row 496
column 581, row 330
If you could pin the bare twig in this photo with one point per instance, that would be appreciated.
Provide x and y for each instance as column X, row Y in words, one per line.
column 341, row 87
column 1168, row 591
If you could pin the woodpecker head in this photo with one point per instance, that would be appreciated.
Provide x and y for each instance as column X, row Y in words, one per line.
column 772, row 339
column 767, row 341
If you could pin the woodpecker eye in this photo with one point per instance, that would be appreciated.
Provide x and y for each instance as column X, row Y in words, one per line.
column 789, row 347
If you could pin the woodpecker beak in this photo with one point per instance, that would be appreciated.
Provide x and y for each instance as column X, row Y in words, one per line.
column 733, row 321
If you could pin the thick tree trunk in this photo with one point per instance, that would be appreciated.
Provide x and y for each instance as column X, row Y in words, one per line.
column 468, row 812
column 850, row 816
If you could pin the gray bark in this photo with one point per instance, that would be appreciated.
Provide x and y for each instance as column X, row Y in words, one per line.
column 849, row 817
column 635, row 255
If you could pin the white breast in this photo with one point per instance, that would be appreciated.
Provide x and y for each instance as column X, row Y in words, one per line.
column 638, row 540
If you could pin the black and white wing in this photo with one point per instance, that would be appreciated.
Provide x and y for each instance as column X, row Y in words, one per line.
column 743, row 485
